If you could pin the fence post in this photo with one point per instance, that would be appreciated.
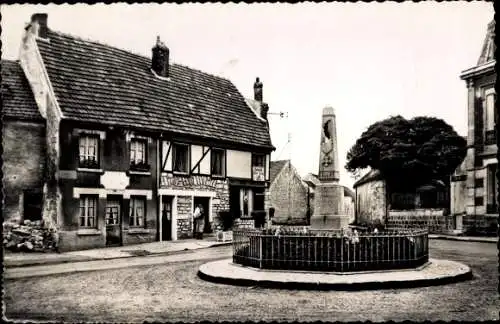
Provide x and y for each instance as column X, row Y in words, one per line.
column 260, row 249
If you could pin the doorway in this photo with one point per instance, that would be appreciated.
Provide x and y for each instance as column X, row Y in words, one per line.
column 166, row 218
column 205, row 202
column 113, row 220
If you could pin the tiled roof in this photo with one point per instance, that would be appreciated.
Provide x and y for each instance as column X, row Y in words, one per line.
column 372, row 175
column 275, row 169
column 95, row 82
column 18, row 101
column 348, row 192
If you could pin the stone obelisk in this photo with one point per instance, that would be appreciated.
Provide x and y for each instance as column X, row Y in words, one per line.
column 329, row 194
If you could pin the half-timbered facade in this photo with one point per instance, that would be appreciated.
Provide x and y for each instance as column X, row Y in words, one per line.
column 134, row 143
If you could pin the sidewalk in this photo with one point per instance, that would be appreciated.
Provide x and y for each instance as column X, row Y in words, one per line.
column 482, row 239
column 12, row 260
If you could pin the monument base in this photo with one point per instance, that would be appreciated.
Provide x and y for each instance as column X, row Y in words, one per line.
column 329, row 207
column 329, row 222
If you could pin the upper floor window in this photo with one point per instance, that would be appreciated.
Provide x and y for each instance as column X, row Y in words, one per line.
column 138, row 155
column 490, row 110
column 218, row 162
column 88, row 211
column 89, row 151
column 258, row 160
column 180, row 158
column 137, row 211
column 258, row 167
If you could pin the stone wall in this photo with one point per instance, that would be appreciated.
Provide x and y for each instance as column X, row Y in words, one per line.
column 184, row 217
column 196, row 185
column 434, row 220
column 481, row 225
column 288, row 195
column 371, row 201
column 23, row 163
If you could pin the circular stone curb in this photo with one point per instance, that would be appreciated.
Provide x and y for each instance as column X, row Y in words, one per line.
column 435, row 272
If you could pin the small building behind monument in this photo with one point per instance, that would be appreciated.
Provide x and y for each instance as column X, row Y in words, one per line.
column 288, row 194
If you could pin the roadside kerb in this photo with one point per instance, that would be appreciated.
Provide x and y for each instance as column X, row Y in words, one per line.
column 438, row 272
column 61, row 258
column 464, row 238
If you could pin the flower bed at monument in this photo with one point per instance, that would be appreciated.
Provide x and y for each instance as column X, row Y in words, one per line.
column 342, row 251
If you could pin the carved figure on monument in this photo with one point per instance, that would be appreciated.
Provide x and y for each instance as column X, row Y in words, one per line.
column 326, row 142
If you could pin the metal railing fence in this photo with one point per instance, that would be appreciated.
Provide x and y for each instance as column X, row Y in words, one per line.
column 330, row 251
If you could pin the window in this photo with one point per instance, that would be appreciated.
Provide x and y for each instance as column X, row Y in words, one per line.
column 490, row 111
column 137, row 211
column 258, row 160
column 113, row 213
column 32, row 205
column 180, row 158
column 479, row 183
column 89, row 152
column 218, row 162
column 492, row 188
column 258, row 167
column 138, row 154
column 479, row 201
column 88, row 211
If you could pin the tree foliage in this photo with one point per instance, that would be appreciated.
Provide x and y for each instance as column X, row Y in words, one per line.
column 411, row 151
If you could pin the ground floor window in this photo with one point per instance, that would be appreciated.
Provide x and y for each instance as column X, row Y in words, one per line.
column 245, row 201
column 137, row 211
column 88, row 211
column 492, row 204
column 32, row 205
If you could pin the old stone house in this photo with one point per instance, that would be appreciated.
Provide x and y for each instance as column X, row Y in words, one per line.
column 427, row 205
column 133, row 143
column 287, row 194
column 311, row 180
column 475, row 184
column 23, row 142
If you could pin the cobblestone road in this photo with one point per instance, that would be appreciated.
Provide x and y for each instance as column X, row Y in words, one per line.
column 172, row 292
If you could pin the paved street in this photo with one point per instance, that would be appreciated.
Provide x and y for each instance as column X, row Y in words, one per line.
column 166, row 288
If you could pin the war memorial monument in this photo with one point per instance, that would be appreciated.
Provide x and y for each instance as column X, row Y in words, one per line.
column 328, row 254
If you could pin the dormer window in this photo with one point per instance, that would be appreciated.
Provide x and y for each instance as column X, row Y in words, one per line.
column 138, row 155
column 89, row 151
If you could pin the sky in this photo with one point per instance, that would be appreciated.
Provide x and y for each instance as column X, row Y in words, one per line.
column 368, row 61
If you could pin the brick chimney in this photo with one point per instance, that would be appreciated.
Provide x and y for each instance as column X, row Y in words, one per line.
column 257, row 90
column 39, row 24
column 160, row 60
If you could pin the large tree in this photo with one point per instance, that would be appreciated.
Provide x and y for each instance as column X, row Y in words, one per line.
column 408, row 153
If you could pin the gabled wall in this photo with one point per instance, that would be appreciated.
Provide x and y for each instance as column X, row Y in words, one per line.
column 288, row 195
column 23, row 163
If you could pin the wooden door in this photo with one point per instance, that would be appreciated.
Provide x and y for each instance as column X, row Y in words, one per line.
column 113, row 223
column 166, row 218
